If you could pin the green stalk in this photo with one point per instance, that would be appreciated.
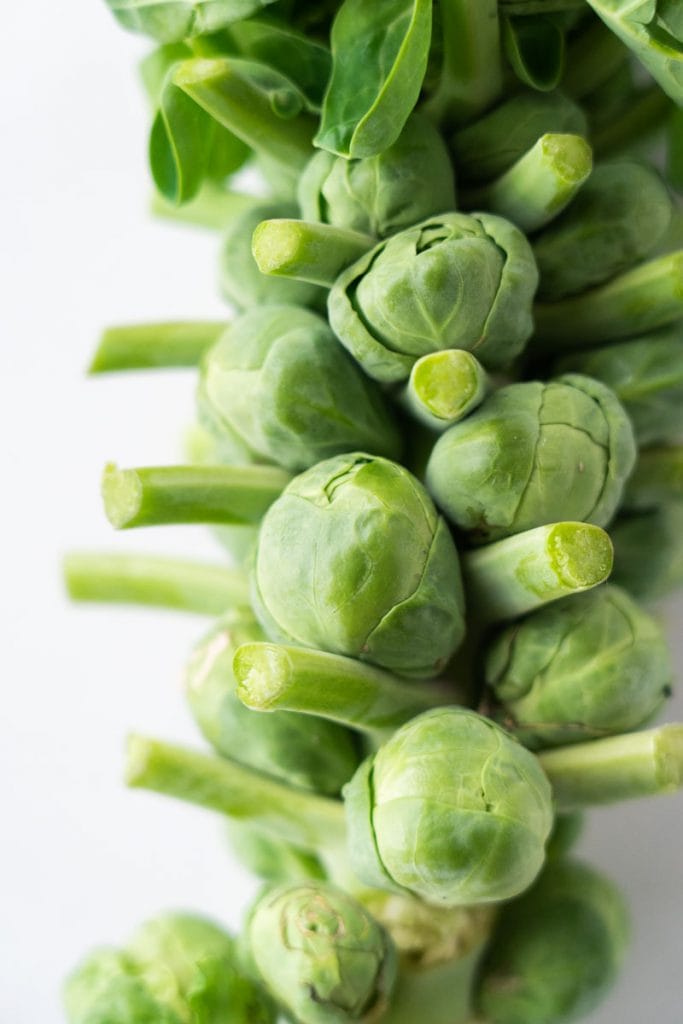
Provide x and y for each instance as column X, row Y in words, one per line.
column 592, row 58
column 211, row 208
column 540, row 185
column 444, row 990
column 272, row 676
column 157, row 495
column 472, row 76
column 150, row 346
column 160, row 582
column 537, row 6
column 642, row 115
column 218, row 784
column 520, row 573
column 306, row 251
column 656, row 480
column 225, row 89
column 642, row 299
column 444, row 387
column 619, row 768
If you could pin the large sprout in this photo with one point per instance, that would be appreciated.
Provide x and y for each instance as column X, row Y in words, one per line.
column 588, row 666
column 278, row 387
column 450, row 809
column 321, row 954
column 354, row 559
column 452, row 281
column 534, row 453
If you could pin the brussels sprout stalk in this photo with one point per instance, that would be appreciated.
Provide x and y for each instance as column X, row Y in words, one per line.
column 272, row 676
column 641, row 116
column 444, row 387
column 592, row 58
column 306, row 251
column 213, row 207
column 656, row 480
column 160, row 582
column 619, row 768
column 540, row 184
column 642, row 299
column 523, row 572
column 219, row 784
column 148, row 346
column 471, row 76
column 158, row 495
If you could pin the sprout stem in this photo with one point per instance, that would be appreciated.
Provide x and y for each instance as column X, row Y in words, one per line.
column 471, row 77
column 445, row 989
column 306, row 251
column 541, row 183
column 618, row 768
column 158, row 495
column 537, row 6
column 656, row 480
column 211, row 208
column 305, row 819
column 223, row 88
column 149, row 346
column 521, row 573
column 642, row 299
column 640, row 117
column 444, row 387
column 592, row 58
column 161, row 582
column 271, row 676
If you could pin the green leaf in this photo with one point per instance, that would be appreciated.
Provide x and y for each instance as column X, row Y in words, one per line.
column 156, row 65
column 187, row 146
column 653, row 30
column 535, row 49
column 379, row 60
column 169, row 21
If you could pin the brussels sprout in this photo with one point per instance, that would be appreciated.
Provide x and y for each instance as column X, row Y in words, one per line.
column 240, row 279
column 354, row 559
column 616, row 220
column 280, row 388
column 380, row 195
column 450, row 809
column 534, row 453
column 304, row 750
column 176, row 968
column 648, row 552
column 454, row 281
column 646, row 374
column 556, row 950
column 588, row 666
column 321, row 954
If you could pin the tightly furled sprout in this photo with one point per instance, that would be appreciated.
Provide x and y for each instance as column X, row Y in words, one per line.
column 176, row 968
column 354, row 559
column 266, row 356
column 555, row 951
column 533, row 454
column 321, row 954
column 306, row 751
column 453, row 281
column 588, row 666
column 450, row 809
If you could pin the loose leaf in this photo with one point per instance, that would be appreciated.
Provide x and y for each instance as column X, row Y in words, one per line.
column 653, row 29
column 305, row 62
column 535, row 49
column 379, row 54
column 169, row 21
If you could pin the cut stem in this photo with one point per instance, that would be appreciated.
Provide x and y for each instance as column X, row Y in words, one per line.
column 306, row 251
column 157, row 495
column 540, row 185
column 656, row 480
column 150, row 346
column 471, row 76
column 521, row 573
column 272, row 676
column 619, row 768
column 225, row 89
column 444, row 387
column 642, row 299
column 160, row 582
column 305, row 819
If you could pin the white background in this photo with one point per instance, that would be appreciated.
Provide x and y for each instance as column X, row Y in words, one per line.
column 83, row 860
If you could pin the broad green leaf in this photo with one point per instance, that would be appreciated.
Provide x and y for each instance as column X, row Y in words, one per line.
column 156, row 65
column 305, row 62
column 535, row 48
column 653, row 30
column 172, row 20
column 379, row 59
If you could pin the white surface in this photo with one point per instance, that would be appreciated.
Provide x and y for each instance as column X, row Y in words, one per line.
column 83, row 860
